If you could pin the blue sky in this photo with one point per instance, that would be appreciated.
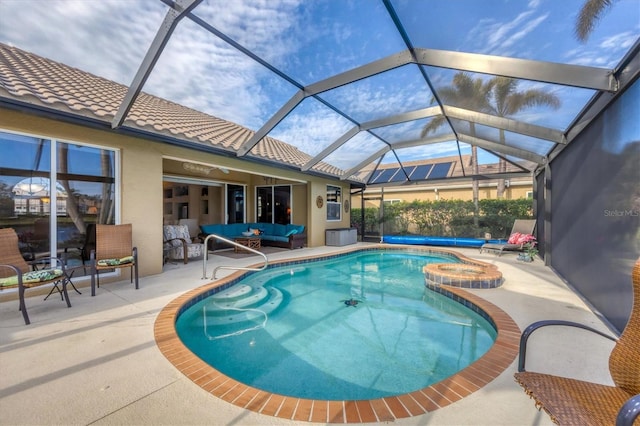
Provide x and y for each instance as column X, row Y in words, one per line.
column 313, row 40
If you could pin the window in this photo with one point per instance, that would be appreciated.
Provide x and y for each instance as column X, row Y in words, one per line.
column 235, row 203
column 334, row 203
column 393, row 201
column 51, row 190
column 273, row 204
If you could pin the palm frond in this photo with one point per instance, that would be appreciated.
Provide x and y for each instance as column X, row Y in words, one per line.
column 589, row 15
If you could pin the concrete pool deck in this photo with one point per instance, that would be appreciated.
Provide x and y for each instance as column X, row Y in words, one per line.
column 98, row 362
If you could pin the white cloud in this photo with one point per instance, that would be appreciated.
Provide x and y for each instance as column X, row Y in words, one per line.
column 500, row 37
column 436, row 150
column 312, row 131
column 109, row 38
column 354, row 151
column 605, row 54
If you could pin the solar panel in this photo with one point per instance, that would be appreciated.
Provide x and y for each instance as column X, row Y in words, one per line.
column 421, row 172
column 386, row 175
column 440, row 170
column 400, row 176
column 375, row 175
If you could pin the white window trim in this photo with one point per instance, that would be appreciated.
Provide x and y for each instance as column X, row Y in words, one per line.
column 337, row 203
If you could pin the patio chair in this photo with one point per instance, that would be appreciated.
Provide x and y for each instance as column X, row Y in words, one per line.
column 114, row 250
column 520, row 226
column 194, row 229
column 16, row 272
column 178, row 245
column 572, row 401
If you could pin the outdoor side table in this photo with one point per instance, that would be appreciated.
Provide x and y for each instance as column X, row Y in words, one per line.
column 249, row 242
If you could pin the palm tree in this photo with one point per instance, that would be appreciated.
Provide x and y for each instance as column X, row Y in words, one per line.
column 590, row 14
column 464, row 92
column 507, row 101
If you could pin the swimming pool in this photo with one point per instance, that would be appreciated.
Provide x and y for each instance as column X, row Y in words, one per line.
column 429, row 398
column 359, row 326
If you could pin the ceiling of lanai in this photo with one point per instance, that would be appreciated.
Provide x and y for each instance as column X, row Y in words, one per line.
column 354, row 86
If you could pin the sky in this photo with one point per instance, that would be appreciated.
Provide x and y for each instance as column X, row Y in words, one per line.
column 313, row 40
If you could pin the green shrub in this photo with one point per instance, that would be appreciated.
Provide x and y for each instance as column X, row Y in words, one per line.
column 453, row 218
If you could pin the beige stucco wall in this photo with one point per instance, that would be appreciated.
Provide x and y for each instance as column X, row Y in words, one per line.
column 300, row 206
column 141, row 195
column 318, row 215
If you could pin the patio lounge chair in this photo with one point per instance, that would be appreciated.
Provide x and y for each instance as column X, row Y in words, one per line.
column 114, row 250
column 572, row 401
column 16, row 272
column 520, row 226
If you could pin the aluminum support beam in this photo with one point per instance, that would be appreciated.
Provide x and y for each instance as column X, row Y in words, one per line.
column 548, row 240
column 548, row 72
column 407, row 144
column 627, row 71
column 402, row 118
column 271, row 123
column 498, row 147
column 373, row 170
column 480, row 177
column 328, row 150
column 507, row 124
column 449, row 137
column 362, row 72
column 355, row 74
column 180, row 9
column 369, row 160
column 387, row 121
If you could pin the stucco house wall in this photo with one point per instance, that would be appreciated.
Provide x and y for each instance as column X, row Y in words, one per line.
column 140, row 178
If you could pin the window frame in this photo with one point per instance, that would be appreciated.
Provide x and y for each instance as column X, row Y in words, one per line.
column 334, row 193
column 54, row 143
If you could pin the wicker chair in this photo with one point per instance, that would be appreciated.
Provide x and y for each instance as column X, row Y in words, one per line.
column 114, row 250
column 570, row 401
column 16, row 272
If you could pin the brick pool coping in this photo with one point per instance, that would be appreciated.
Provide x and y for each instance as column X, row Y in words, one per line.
column 440, row 394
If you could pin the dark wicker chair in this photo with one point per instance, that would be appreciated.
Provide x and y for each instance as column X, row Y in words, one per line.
column 577, row 402
column 16, row 272
column 114, row 250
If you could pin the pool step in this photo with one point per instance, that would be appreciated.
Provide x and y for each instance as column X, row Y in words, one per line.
column 239, row 297
column 260, row 300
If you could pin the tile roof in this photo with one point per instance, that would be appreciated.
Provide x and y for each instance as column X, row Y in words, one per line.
column 32, row 79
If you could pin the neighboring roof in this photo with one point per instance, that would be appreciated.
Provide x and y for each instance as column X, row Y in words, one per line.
column 31, row 79
column 429, row 170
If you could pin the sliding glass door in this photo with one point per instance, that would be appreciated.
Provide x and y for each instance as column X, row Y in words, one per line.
column 235, row 203
column 273, row 204
column 264, row 204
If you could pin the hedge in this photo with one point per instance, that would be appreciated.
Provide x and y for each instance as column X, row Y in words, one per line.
column 454, row 218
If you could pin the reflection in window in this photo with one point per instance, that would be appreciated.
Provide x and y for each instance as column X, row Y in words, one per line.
column 273, row 204
column 334, row 203
column 235, row 203
column 42, row 212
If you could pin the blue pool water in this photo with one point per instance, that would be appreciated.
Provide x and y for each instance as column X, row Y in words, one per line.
column 359, row 326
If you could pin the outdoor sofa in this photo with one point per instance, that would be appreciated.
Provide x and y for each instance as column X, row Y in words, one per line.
column 271, row 234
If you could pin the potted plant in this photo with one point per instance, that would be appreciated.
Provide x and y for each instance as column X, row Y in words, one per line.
column 530, row 251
